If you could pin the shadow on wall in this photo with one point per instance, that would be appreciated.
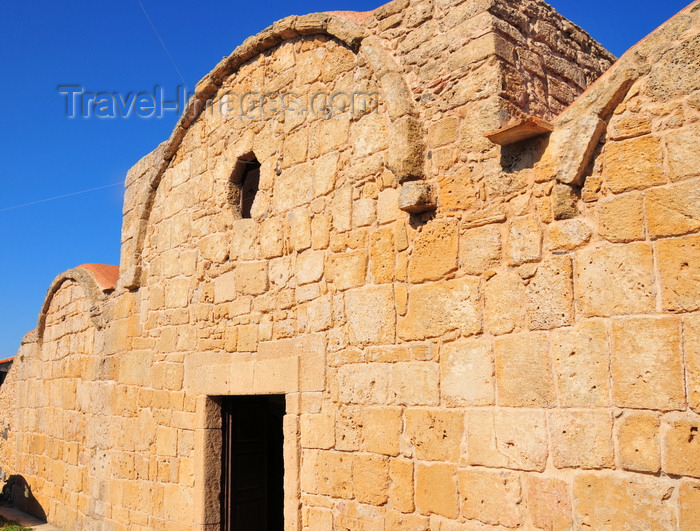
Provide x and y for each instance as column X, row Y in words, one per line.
column 18, row 491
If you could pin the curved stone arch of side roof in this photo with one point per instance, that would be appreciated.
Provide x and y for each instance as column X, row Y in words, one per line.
column 578, row 129
column 96, row 280
column 406, row 158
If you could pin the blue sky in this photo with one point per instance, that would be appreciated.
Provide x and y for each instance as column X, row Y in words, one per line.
column 110, row 46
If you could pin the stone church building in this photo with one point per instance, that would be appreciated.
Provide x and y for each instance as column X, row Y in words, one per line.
column 409, row 269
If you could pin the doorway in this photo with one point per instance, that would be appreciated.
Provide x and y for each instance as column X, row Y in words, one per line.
column 252, row 473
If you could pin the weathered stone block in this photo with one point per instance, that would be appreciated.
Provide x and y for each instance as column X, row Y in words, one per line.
column 581, row 362
column 244, row 236
column 434, row 251
column 251, row 278
column 299, row 222
column 309, row 267
column 325, row 170
column 480, row 249
column 681, row 447
column 548, row 502
column 371, row 315
column 507, row 438
column 679, row 268
column 691, row 342
column 628, row 126
column 347, row 270
column 549, row 294
column 408, row 522
column 295, row 147
column 638, row 442
column 568, row 234
column 348, row 428
column 364, row 383
column 415, row 383
column 630, row 503
column 341, row 209
column 443, row 132
column 504, row 308
column 317, row 519
column 646, row 363
column 673, row 210
column 633, row 164
column 364, row 212
column 467, row 373
column 401, row 488
column 564, row 202
column 581, row 439
column 166, row 441
column 434, row 309
column 334, row 474
column 524, row 240
column 615, row 280
column 293, row 187
column 382, row 255
column 458, row 191
column 523, row 370
column 381, row 430
column 388, row 206
column 280, row 271
column 370, row 479
column 621, row 218
column 272, row 238
column 417, row 197
column 177, row 293
column 318, row 430
column 320, row 231
column 683, row 153
column 436, row 489
column 433, row 434
column 490, row 497
column 689, row 503
column 405, row 158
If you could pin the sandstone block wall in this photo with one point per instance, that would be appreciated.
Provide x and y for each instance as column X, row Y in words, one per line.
column 523, row 357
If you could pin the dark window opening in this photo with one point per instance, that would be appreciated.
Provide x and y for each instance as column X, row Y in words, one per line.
column 249, row 183
column 252, row 475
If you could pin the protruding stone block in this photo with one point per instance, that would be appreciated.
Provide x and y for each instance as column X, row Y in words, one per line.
column 417, row 197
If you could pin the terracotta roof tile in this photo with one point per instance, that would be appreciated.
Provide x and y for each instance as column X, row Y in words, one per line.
column 105, row 275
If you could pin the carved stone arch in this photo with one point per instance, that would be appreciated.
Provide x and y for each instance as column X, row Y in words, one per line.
column 406, row 158
column 97, row 281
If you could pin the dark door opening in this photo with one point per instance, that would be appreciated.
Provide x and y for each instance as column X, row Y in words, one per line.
column 252, row 492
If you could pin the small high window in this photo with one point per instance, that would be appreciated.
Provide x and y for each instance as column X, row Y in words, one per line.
column 249, row 183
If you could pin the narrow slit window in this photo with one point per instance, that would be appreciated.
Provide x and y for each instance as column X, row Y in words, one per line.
column 250, row 181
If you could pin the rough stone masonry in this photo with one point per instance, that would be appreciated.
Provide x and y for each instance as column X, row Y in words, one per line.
column 469, row 331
